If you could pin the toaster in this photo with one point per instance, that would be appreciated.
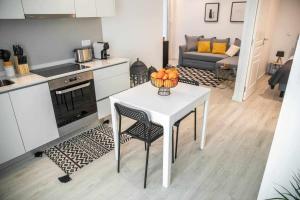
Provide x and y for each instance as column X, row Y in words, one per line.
column 84, row 54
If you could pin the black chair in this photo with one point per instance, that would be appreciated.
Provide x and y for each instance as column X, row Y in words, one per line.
column 143, row 129
column 177, row 124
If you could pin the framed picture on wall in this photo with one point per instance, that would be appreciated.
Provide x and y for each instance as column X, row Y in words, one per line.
column 237, row 11
column 211, row 12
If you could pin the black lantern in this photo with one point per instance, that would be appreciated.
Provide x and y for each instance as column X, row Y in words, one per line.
column 138, row 73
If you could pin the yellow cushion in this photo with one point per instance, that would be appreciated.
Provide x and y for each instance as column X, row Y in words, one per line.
column 219, row 48
column 204, row 47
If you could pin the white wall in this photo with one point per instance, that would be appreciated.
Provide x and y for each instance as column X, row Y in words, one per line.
column 136, row 31
column 189, row 19
column 284, row 156
column 287, row 28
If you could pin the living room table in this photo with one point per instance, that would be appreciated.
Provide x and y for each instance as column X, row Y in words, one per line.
column 164, row 110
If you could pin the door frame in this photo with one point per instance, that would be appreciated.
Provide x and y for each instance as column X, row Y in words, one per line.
column 246, row 49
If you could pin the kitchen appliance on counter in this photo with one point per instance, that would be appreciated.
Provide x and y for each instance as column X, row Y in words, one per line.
column 101, row 50
column 73, row 97
column 84, row 54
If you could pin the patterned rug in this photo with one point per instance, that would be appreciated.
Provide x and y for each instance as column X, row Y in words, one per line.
column 203, row 77
column 79, row 151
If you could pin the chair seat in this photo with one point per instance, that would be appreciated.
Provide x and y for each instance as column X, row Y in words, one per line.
column 137, row 130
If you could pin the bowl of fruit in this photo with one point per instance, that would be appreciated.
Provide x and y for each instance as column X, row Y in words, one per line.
column 164, row 79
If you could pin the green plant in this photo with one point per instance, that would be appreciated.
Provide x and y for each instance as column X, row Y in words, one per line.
column 286, row 194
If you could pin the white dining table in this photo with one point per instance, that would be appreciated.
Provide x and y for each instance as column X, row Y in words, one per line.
column 164, row 110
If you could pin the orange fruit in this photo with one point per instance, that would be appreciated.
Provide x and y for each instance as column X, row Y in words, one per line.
column 173, row 75
column 160, row 74
column 154, row 75
column 165, row 77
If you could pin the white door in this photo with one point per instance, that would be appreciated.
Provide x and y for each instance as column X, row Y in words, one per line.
column 35, row 115
column 11, row 9
column 257, row 58
column 11, row 144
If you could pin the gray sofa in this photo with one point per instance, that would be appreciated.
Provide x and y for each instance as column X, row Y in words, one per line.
column 208, row 61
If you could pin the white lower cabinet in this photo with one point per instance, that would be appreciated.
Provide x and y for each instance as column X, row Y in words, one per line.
column 110, row 81
column 11, row 144
column 35, row 115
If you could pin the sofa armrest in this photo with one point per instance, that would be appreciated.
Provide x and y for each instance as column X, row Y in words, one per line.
column 182, row 49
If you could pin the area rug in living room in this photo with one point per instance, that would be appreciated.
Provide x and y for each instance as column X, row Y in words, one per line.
column 79, row 151
column 203, row 77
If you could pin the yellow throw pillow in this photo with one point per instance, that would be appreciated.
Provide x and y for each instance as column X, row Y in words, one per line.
column 219, row 48
column 204, row 47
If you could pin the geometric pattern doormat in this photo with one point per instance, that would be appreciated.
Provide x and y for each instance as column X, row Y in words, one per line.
column 77, row 152
column 203, row 77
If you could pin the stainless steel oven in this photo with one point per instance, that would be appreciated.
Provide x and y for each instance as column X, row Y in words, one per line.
column 73, row 97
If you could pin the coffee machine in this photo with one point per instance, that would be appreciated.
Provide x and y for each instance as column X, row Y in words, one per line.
column 101, row 50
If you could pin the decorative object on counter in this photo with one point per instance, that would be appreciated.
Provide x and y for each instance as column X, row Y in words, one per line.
column 279, row 55
column 79, row 151
column 101, row 50
column 84, row 54
column 9, row 68
column 165, row 79
column 138, row 73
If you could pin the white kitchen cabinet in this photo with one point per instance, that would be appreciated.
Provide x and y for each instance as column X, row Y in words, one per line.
column 35, row 115
column 106, row 87
column 85, row 8
column 48, row 6
column 105, row 8
column 11, row 144
column 11, row 9
column 110, row 81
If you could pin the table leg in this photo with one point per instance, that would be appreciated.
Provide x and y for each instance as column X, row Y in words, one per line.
column 204, row 121
column 115, row 124
column 167, row 153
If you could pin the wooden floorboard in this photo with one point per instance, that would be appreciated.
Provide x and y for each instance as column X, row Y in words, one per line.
column 229, row 168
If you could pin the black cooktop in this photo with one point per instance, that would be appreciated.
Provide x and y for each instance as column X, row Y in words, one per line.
column 58, row 69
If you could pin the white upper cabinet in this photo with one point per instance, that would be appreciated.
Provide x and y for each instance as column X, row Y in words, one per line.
column 11, row 9
column 85, row 8
column 105, row 8
column 35, row 115
column 48, row 6
column 11, row 144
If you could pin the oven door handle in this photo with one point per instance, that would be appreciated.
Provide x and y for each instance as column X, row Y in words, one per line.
column 73, row 88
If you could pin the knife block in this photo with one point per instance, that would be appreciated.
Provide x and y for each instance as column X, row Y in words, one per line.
column 22, row 69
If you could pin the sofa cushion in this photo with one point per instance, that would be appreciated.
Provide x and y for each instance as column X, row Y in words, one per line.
column 191, row 42
column 203, row 47
column 227, row 41
column 209, row 57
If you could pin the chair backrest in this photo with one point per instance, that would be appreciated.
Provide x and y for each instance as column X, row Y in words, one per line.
column 132, row 113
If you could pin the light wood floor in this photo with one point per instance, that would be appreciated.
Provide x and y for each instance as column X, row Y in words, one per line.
column 230, row 167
